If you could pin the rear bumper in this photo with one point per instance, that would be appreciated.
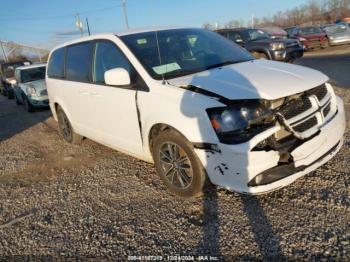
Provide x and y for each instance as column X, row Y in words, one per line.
column 234, row 166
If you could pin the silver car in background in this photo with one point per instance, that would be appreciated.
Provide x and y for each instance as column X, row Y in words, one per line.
column 338, row 34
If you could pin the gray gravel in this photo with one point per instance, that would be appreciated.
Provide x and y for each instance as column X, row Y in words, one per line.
column 89, row 201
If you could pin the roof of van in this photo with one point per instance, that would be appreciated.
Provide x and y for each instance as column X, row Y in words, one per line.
column 120, row 33
column 31, row 66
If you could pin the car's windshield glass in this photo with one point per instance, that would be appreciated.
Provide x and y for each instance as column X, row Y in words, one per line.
column 335, row 28
column 254, row 34
column 9, row 70
column 183, row 51
column 310, row 30
column 32, row 74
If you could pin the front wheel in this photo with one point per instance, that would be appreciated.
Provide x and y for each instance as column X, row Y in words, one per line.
column 65, row 128
column 325, row 44
column 27, row 105
column 177, row 164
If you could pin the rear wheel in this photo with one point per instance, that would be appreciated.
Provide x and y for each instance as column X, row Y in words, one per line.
column 177, row 164
column 17, row 100
column 65, row 128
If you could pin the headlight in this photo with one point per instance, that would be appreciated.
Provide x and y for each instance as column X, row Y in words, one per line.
column 302, row 39
column 239, row 123
column 31, row 91
column 277, row 46
column 331, row 37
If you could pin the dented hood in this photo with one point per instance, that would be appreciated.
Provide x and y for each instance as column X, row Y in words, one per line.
column 254, row 79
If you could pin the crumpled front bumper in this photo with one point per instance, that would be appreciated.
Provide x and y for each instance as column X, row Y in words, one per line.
column 233, row 166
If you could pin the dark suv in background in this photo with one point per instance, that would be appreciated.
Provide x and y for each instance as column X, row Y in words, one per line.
column 261, row 45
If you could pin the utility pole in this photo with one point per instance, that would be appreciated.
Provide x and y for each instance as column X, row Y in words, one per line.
column 3, row 51
column 253, row 21
column 87, row 24
column 79, row 24
column 125, row 14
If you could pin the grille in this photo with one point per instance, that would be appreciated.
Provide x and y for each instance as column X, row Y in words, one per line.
column 295, row 108
column 320, row 92
column 296, row 111
column 326, row 110
column 43, row 92
column 306, row 125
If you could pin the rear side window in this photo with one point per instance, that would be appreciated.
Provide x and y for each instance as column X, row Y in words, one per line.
column 56, row 64
column 78, row 62
column 108, row 56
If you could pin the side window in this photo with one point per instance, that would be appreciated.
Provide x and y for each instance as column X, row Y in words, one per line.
column 56, row 64
column 108, row 56
column 78, row 62
column 234, row 36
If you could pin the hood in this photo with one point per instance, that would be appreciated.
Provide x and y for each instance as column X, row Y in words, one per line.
column 254, row 79
column 39, row 85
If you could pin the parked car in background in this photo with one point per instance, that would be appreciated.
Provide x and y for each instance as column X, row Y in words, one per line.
column 7, row 72
column 310, row 36
column 261, row 45
column 337, row 34
column 275, row 32
column 30, row 89
column 197, row 106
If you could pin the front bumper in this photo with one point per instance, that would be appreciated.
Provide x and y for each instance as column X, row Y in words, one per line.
column 234, row 166
column 288, row 54
column 40, row 101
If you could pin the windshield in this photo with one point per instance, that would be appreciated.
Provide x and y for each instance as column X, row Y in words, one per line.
column 335, row 28
column 183, row 51
column 32, row 74
column 254, row 34
column 310, row 30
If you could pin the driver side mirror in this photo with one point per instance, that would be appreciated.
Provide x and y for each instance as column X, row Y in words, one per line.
column 117, row 77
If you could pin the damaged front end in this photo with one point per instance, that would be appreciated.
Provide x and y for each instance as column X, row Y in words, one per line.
column 277, row 139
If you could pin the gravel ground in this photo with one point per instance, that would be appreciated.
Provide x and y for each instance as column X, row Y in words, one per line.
column 89, row 201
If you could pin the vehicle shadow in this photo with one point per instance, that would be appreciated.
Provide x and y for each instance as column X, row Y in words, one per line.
column 210, row 244
column 15, row 119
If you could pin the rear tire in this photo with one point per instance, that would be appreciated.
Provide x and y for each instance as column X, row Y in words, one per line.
column 177, row 164
column 66, row 129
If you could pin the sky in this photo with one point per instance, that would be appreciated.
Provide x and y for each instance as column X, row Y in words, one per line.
column 46, row 23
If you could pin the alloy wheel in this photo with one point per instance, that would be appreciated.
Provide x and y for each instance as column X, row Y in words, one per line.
column 176, row 165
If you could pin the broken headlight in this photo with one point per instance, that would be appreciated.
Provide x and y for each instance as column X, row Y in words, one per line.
column 240, row 122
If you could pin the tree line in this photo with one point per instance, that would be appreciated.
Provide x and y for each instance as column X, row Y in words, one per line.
column 314, row 12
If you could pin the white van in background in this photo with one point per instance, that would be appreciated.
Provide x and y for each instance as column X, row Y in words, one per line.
column 199, row 107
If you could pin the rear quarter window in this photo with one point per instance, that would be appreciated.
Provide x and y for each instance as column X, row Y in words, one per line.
column 56, row 64
column 78, row 62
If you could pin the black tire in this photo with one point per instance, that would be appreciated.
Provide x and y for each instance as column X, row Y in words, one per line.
column 173, row 173
column 10, row 95
column 66, row 129
column 27, row 105
column 17, row 101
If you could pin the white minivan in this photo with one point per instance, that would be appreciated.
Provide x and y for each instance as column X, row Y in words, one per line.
column 199, row 107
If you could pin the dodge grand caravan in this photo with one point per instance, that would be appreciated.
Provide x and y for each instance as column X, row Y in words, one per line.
column 199, row 107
